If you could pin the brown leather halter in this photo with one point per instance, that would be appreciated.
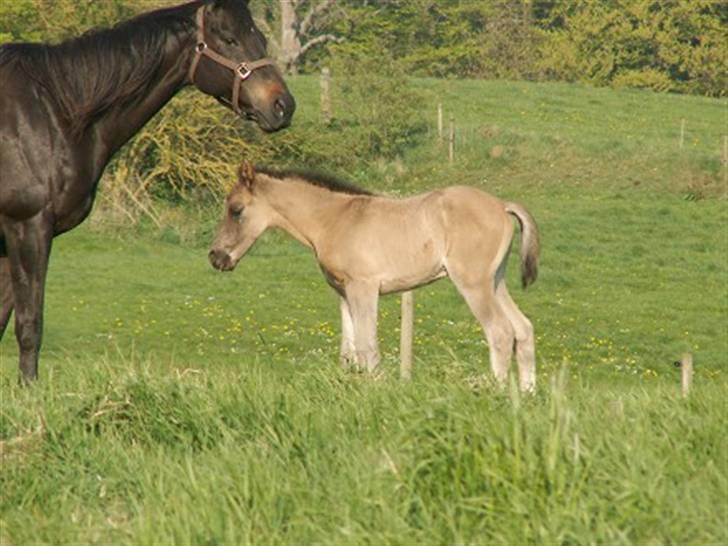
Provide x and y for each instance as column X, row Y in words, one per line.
column 241, row 70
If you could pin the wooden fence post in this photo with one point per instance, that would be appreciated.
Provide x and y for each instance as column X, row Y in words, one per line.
column 451, row 148
column 439, row 120
column 326, row 113
column 686, row 369
column 724, row 160
column 406, row 331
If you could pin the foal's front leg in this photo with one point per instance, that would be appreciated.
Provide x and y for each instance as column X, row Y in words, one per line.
column 348, row 349
column 363, row 299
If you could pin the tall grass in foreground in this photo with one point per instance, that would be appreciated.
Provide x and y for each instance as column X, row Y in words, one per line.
column 301, row 454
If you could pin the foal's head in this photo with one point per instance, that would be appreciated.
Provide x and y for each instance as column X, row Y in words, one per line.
column 245, row 219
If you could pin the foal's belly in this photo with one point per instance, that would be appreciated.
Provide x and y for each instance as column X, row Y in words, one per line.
column 411, row 281
column 396, row 280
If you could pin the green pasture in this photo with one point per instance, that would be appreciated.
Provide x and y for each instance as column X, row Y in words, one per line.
column 181, row 405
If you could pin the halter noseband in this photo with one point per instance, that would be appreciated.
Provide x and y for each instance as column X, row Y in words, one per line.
column 241, row 70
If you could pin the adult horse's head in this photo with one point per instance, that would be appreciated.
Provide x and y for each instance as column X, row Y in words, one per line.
column 230, row 64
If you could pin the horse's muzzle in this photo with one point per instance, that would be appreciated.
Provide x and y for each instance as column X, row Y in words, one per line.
column 278, row 115
column 221, row 260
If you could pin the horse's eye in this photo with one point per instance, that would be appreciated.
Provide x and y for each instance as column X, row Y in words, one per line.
column 231, row 41
column 236, row 213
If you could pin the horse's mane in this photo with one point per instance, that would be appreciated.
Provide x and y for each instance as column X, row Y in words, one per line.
column 315, row 178
column 87, row 74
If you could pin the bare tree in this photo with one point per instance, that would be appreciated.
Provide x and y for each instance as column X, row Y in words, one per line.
column 299, row 29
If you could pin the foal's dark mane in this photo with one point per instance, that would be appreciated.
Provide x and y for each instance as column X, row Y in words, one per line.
column 315, row 178
column 88, row 74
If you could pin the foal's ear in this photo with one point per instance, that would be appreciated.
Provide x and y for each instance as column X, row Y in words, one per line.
column 247, row 174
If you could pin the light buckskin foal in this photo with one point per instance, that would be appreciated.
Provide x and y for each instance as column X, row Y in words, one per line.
column 369, row 245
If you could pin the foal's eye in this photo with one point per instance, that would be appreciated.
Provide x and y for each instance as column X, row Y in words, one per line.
column 236, row 213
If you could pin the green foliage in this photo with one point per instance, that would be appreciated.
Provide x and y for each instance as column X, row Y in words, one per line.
column 423, row 35
column 55, row 20
column 447, row 38
column 678, row 45
column 673, row 45
column 666, row 46
column 17, row 21
column 375, row 105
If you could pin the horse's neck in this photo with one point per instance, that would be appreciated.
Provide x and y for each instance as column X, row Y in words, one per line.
column 120, row 122
column 303, row 210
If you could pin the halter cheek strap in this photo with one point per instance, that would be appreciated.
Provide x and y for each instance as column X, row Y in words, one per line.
column 241, row 70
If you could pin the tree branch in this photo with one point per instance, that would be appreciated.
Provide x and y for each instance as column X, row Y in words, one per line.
column 312, row 13
column 316, row 41
column 294, row 3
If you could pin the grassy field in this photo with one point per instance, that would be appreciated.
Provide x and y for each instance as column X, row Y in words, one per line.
column 178, row 404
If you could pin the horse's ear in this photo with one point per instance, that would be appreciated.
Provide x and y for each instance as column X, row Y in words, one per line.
column 247, row 174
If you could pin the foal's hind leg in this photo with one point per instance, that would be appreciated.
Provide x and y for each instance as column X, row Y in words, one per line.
column 6, row 295
column 525, row 342
column 498, row 329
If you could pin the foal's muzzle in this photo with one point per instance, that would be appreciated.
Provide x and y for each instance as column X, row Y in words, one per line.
column 221, row 260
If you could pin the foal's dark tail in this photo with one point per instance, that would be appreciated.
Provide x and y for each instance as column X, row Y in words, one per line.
column 530, row 245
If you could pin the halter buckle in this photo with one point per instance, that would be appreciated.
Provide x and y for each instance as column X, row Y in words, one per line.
column 200, row 47
column 243, row 71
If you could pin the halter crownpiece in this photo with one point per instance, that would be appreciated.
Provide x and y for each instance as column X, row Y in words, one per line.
column 241, row 70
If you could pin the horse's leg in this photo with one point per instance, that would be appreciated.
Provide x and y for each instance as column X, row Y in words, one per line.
column 348, row 350
column 525, row 341
column 6, row 295
column 28, row 246
column 481, row 299
column 363, row 300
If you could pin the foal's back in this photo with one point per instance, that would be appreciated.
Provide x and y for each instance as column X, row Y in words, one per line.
column 404, row 243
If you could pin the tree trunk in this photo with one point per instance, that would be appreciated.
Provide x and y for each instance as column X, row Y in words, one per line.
column 290, row 42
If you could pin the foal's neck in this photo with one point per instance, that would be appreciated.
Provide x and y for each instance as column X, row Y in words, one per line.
column 304, row 210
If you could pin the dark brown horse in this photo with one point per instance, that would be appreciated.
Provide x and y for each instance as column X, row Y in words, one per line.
column 66, row 109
